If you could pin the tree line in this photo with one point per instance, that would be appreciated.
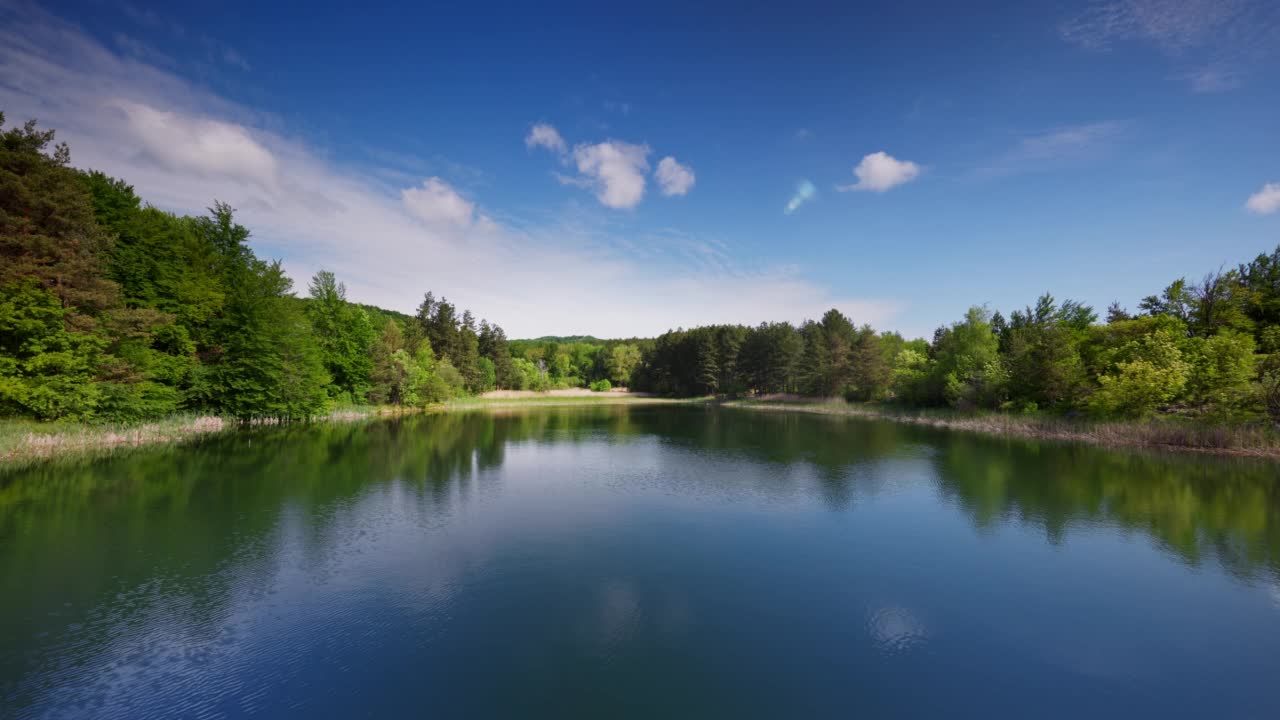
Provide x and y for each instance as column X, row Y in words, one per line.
column 111, row 309
column 115, row 310
column 1209, row 349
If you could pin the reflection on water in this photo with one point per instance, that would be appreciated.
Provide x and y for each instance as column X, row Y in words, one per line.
column 557, row 561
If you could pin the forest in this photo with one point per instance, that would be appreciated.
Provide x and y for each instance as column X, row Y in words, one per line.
column 114, row 310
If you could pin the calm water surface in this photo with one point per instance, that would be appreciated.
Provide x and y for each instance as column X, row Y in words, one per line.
column 639, row 562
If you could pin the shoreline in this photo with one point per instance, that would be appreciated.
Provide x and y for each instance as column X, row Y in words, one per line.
column 24, row 442
column 27, row 442
column 1169, row 436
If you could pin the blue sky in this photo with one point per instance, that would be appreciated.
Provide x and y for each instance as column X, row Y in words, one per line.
column 956, row 156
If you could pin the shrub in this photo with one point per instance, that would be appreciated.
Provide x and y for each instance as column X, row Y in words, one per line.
column 601, row 386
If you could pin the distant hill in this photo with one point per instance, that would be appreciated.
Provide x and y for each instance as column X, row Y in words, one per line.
column 375, row 311
column 562, row 339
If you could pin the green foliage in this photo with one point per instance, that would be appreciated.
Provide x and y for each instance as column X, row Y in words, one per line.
column 451, row 380
column 1041, row 362
column 621, row 362
column 1146, row 374
column 492, row 344
column 344, row 336
column 114, row 310
column 910, row 380
column 826, row 364
column 45, row 370
column 488, row 375
column 1268, row 388
column 530, row 375
column 963, row 356
column 602, row 385
column 1221, row 369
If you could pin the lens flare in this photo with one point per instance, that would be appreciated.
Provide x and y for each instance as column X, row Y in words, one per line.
column 805, row 192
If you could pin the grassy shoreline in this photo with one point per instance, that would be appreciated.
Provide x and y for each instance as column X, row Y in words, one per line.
column 1159, row 434
column 24, row 442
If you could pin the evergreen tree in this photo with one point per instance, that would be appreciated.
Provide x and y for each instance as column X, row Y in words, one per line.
column 493, row 345
column 869, row 369
column 708, row 378
column 466, row 356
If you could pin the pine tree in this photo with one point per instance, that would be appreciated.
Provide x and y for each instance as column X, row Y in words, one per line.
column 467, row 359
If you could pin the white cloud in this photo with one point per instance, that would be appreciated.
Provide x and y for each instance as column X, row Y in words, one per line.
column 674, row 178
column 544, row 135
column 880, row 171
column 198, row 146
column 182, row 147
column 437, row 202
column 616, row 171
column 1266, row 200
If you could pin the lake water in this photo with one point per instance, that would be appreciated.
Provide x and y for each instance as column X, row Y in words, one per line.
column 639, row 562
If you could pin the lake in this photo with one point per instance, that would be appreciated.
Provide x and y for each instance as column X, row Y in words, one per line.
column 639, row 561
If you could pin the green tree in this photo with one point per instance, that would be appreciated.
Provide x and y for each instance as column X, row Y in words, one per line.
column 1041, row 354
column 467, row 354
column 869, row 368
column 962, row 355
column 1147, row 373
column 45, row 370
column 387, row 374
column 622, row 361
column 493, row 345
column 1221, row 368
column 770, row 357
column 266, row 363
column 344, row 336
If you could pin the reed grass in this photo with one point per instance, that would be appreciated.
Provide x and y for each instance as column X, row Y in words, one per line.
column 24, row 441
column 1255, row 439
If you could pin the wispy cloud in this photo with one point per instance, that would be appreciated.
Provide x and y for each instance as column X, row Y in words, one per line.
column 182, row 147
column 879, row 172
column 1214, row 80
column 1172, row 24
column 1213, row 34
column 235, row 59
column 1062, row 146
column 130, row 45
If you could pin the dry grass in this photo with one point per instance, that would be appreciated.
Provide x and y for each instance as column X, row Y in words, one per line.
column 23, row 442
column 1163, row 433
